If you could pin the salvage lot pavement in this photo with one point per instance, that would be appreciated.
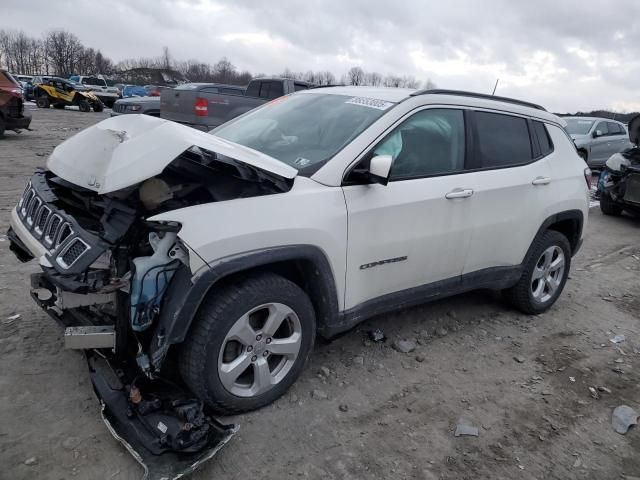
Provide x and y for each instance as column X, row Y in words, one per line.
column 363, row 409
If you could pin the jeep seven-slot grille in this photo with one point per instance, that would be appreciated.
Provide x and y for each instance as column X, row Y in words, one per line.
column 50, row 228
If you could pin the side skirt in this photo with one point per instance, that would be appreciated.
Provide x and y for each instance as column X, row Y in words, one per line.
column 496, row 278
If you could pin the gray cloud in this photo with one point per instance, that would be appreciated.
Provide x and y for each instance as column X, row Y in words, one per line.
column 567, row 55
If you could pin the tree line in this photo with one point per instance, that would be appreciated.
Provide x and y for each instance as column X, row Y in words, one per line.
column 61, row 53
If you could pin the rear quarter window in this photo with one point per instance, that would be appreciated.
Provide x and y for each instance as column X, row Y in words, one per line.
column 503, row 140
column 544, row 140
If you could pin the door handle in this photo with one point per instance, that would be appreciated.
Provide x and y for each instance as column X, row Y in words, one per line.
column 459, row 193
column 541, row 181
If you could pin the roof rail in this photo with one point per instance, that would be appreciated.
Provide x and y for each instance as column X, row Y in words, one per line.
column 462, row 93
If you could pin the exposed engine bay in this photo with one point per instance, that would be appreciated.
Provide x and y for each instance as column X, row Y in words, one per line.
column 106, row 270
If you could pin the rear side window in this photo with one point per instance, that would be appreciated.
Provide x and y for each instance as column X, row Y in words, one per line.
column 93, row 81
column 614, row 128
column 546, row 147
column 503, row 140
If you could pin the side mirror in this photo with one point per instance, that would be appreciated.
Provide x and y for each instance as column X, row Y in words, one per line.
column 379, row 168
column 597, row 133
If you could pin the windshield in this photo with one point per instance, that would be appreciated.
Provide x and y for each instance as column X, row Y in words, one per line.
column 304, row 130
column 576, row 126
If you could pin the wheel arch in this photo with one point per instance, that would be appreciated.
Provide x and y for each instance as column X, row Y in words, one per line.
column 305, row 265
column 569, row 223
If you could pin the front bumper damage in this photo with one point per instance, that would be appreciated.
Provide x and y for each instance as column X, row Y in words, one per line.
column 167, row 432
column 159, row 421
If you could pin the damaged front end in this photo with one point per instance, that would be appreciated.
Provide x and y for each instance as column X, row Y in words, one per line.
column 619, row 181
column 108, row 271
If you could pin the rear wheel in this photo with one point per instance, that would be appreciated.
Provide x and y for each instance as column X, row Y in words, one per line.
column 43, row 101
column 84, row 106
column 250, row 342
column 545, row 274
column 608, row 206
column 98, row 107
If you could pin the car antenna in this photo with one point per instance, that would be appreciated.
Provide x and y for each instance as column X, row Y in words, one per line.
column 495, row 86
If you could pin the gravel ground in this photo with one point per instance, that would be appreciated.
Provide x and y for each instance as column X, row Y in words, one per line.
column 362, row 409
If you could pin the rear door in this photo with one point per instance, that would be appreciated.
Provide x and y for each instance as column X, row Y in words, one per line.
column 510, row 190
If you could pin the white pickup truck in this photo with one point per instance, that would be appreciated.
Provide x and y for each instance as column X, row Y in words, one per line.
column 108, row 95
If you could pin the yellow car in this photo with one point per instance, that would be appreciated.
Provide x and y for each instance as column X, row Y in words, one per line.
column 62, row 93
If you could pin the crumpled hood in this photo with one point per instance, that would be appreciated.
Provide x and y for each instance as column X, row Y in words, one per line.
column 125, row 150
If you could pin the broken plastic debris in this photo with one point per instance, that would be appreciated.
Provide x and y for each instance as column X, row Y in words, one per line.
column 377, row 335
column 617, row 339
column 623, row 418
column 464, row 428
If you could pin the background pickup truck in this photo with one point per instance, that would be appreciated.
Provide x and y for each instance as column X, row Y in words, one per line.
column 207, row 105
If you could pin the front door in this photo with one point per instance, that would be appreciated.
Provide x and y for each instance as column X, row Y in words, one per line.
column 416, row 229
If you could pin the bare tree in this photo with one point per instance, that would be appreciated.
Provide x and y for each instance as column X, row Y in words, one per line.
column 355, row 76
column 64, row 50
column 373, row 78
column 224, row 71
column 429, row 85
column 166, row 58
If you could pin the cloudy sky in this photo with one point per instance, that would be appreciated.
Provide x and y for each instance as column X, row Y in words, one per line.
column 565, row 54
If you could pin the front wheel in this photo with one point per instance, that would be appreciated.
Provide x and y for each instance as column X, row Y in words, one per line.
column 250, row 342
column 545, row 274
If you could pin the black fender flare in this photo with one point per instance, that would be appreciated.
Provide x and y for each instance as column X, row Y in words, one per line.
column 187, row 292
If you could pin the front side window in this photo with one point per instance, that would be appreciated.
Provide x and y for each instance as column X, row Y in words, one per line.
column 94, row 81
column 503, row 140
column 602, row 129
column 431, row 142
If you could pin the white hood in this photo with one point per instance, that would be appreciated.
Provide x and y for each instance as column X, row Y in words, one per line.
column 125, row 150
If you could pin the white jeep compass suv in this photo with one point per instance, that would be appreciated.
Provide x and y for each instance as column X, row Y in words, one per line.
column 227, row 253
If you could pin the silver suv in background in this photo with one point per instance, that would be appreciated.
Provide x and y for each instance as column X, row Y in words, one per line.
column 597, row 138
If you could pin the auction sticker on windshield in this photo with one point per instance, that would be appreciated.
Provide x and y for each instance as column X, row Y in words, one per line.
column 370, row 102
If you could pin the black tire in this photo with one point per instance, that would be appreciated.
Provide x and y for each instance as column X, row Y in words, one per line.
column 84, row 106
column 109, row 103
column 98, row 107
column 608, row 206
column 218, row 314
column 521, row 295
column 58, row 106
column 43, row 101
column 2, row 127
